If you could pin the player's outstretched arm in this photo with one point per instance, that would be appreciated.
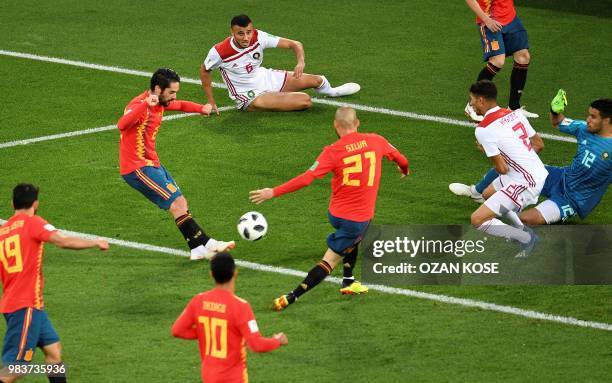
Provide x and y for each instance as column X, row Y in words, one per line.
column 298, row 49
column 261, row 195
column 492, row 24
column 401, row 162
column 557, row 107
column 282, row 338
column 76, row 243
column 259, row 343
column 206, row 80
column 190, row 107
column 296, row 183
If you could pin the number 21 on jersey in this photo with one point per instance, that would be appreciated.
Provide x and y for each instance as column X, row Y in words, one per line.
column 10, row 248
column 215, row 334
column 356, row 163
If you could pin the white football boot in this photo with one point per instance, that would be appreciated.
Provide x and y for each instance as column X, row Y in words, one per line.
column 346, row 89
column 527, row 113
column 467, row 191
column 471, row 113
column 212, row 247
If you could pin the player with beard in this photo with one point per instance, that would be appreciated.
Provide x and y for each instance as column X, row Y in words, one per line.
column 255, row 88
column 140, row 165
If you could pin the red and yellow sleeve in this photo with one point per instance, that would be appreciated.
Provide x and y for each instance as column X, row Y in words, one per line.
column 40, row 229
column 323, row 165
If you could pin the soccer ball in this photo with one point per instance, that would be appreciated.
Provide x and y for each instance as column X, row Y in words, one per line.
column 252, row 226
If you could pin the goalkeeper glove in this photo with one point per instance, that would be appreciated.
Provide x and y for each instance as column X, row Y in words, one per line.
column 558, row 104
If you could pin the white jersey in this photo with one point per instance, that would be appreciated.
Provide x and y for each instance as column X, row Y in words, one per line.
column 507, row 133
column 240, row 67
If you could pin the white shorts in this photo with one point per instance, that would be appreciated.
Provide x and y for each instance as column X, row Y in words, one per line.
column 511, row 196
column 550, row 211
column 265, row 80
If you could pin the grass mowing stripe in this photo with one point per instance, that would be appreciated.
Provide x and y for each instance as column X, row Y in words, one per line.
column 365, row 108
column 381, row 288
column 90, row 131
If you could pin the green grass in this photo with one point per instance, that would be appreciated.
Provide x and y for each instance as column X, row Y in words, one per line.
column 114, row 310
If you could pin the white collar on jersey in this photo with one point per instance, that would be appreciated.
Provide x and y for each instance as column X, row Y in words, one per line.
column 492, row 110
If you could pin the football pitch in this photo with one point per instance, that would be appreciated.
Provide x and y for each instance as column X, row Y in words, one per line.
column 70, row 67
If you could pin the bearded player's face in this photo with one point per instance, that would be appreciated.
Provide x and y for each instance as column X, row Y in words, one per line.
column 242, row 35
column 169, row 94
column 594, row 121
column 478, row 104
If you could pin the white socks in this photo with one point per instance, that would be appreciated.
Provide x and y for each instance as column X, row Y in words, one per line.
column 325, row 88
column 499, row 229
column 514, row 219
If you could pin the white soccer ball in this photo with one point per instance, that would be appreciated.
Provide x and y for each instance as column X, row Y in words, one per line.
column 252, row 226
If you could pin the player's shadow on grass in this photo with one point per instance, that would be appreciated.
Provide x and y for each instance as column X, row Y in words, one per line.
column 599, row 8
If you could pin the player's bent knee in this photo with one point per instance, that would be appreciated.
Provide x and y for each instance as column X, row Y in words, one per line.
column 522, row 57
column 179, row 206
column 300, row 101
column 53, row 353
column 476, row 219
column 532, row 217
column 498, row 60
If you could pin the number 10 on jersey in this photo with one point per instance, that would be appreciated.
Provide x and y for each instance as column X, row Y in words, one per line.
column 215, row 333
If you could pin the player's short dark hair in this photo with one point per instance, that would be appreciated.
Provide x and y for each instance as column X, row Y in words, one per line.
column 484, row 88
column 241, row 21
column 222, row 266
column 164, row 77
column 604, row 105
column 24, row 196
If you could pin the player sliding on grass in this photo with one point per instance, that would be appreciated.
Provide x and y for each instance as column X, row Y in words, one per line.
column 21, row 253
column 573, row 189
column 505, row 137
column 140, row 166
column 355, row 161
column 253, row 87
column 224, row 325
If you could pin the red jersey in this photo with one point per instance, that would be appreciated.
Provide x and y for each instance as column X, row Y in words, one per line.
column 501, row 11
column 355, row 161
column 21, row 253
column 223, row 324
column 139, row 126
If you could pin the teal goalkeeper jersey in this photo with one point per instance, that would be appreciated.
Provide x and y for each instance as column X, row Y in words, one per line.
column 587, row 179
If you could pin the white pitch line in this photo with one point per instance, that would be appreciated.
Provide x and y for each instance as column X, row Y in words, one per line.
column 381, row 288
column 365, row 108
column 83, row 64
column 74, row 133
